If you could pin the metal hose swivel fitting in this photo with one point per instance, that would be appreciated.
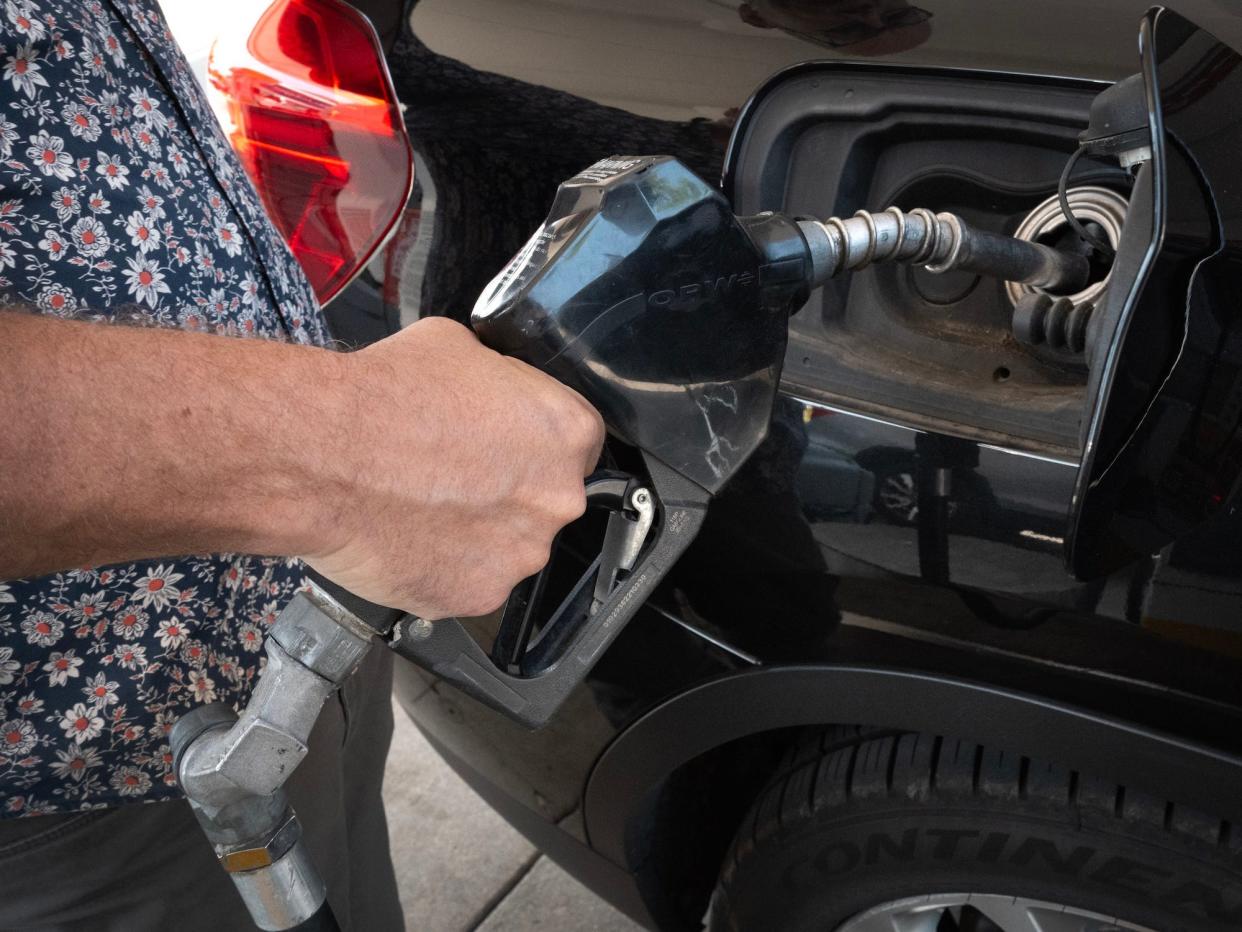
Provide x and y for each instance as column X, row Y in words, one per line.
column 940, row 242
column 233, row 768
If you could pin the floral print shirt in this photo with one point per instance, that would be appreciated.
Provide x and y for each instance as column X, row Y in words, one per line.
column 121, row 196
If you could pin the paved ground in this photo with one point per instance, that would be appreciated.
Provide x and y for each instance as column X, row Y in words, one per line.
column 462, row 867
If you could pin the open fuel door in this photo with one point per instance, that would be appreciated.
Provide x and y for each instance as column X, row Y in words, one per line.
column 1162, row 445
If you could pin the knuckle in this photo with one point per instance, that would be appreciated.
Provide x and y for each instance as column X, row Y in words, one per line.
column 572, row 506
column 495, row 602
column 577, row 419
column 590, row 427
column 561, row 507
column 531, row 560
column 439, row 325
column 485, row 600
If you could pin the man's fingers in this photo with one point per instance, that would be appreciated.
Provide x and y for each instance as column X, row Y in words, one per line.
column 595, row 440
column 468, row 484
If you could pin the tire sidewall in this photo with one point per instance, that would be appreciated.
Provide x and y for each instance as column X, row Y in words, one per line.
column 823, row 872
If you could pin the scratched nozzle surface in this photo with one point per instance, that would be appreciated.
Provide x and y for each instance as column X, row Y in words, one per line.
column 940, row 242
column 647, row 295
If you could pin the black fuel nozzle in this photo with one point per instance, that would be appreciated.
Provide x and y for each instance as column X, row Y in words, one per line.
column 643, row 292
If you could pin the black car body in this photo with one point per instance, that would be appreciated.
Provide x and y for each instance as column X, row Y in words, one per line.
column 809, row 600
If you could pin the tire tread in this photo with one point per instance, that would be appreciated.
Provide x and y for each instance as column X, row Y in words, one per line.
column 840, row 767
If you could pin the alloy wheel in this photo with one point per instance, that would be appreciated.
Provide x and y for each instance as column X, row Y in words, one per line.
column 982, row 912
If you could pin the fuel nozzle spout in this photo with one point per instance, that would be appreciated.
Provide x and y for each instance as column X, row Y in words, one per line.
column 941, row 242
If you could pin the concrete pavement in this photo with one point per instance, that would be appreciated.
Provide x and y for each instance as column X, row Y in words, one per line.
column 461, row 867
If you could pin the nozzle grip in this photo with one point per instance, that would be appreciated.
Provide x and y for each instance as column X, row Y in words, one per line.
column 447, row 649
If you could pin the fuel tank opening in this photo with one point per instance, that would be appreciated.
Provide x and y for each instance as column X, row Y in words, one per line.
column 1100, row 209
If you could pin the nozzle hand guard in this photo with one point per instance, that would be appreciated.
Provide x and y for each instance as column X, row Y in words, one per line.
column 532, row 669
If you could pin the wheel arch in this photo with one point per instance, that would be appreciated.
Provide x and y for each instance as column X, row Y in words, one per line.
column 623, row 796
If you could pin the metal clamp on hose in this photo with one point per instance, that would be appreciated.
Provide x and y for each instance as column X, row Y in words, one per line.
column 941, row 242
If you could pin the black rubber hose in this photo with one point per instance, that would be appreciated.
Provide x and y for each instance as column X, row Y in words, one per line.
column 322, row 921
column 1103, row 245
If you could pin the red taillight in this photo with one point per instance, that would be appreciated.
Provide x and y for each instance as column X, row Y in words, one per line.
column 317, row 125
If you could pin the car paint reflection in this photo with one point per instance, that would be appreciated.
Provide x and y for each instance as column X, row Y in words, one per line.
column 865, row 486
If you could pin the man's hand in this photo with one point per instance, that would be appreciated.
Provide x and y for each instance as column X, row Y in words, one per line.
column 426, row 472
column 466, row 464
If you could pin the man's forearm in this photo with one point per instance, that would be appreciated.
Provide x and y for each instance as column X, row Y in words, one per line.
column 425, row 472
column 121, row 443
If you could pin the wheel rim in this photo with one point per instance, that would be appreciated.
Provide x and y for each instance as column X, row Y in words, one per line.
column 982, row 912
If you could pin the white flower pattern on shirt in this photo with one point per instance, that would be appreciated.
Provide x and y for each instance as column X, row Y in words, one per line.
column 119, row 195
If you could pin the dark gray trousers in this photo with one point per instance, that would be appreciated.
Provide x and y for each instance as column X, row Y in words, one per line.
column 148, row 867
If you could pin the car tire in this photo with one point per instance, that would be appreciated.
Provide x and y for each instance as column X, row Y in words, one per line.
column 861, row 821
